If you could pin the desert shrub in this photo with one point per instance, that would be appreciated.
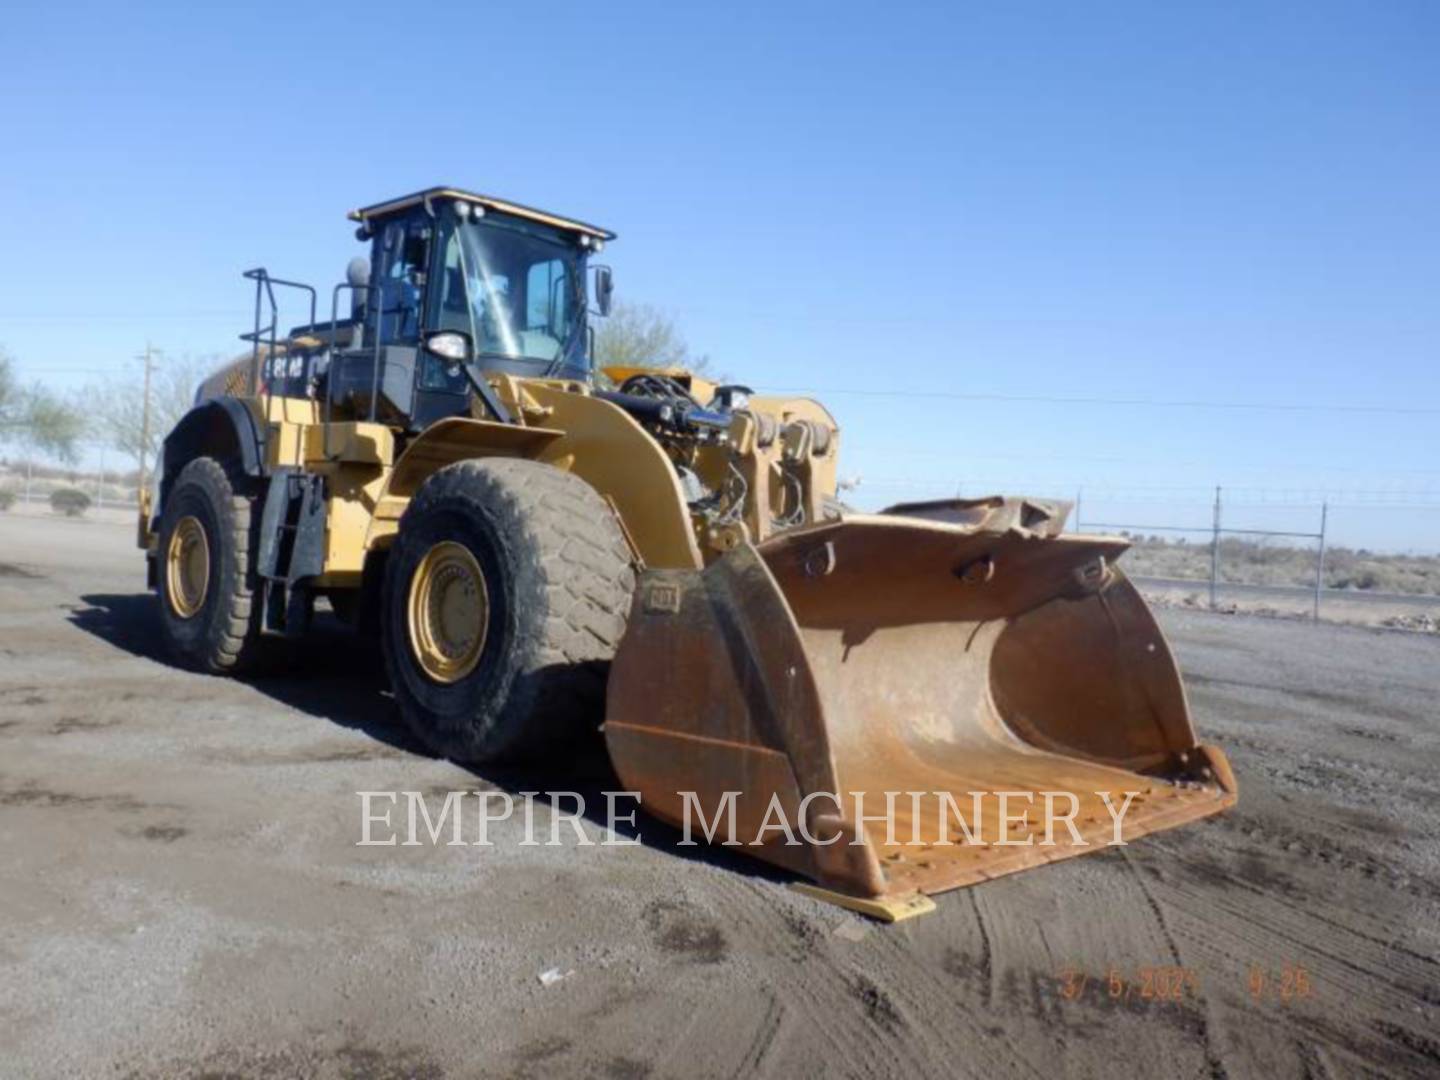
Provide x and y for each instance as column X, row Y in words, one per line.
column 7, row 500
column 72, row 502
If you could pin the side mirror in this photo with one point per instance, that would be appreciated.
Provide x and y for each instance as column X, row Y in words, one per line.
column 357, row 277
column 604, row 289
column 357, row 272
column 453, row 346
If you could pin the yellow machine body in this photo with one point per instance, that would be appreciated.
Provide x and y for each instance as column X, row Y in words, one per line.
column 890, row 704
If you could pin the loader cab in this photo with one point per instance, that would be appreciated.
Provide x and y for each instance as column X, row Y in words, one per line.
column 455, row 274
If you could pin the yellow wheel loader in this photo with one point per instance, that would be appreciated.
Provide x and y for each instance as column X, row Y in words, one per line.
column 885, row 703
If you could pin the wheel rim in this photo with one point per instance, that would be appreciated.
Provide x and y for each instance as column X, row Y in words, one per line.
column 187, row 567
column 449, row 612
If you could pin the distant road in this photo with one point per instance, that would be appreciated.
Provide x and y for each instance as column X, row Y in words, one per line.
column 1292, row 593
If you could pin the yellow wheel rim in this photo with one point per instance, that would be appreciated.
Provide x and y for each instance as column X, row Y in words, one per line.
column 187, row 567
column 449, row 612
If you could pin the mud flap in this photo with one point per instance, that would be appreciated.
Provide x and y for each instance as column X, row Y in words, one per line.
column 891, row 706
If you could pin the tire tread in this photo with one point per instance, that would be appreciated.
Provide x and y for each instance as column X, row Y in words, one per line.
column 569, row 534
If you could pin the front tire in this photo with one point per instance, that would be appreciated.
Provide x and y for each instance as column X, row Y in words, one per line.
column 208, row 614
column 505, row 598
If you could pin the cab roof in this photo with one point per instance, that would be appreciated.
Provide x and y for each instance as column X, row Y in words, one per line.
column 504, row 206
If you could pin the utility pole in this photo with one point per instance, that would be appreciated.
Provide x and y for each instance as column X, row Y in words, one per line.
column 1215, row 550
column 149, row 359
column 1320, row 558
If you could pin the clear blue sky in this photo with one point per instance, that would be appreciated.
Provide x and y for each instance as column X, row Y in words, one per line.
column 1166, row 202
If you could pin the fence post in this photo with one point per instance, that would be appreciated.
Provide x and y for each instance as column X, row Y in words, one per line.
column 1320, row 559
column 1215, row 549
column 1078, row 493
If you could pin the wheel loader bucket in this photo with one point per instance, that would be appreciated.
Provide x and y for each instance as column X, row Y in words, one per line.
column 893, row 706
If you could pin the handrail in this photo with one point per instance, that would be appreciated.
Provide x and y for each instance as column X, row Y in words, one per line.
column 330, row 354
column 265, row 290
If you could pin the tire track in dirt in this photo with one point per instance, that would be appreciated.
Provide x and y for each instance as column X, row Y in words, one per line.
column 1373, row 957
column 1213, row 1060
column 1332, row 701
column 868, row 1007
column 1355, row 998
column 954, row 1035
column 835, row 1021
column 702, row 956
column 1030, row 1020
column 753, row 1061
column 1269, row 875
column 1312, row 1060
column 1110, row 929
column 1361, row 982
column 987, row 969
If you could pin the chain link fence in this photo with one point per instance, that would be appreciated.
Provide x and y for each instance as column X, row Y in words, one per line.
column 1217, row 531
column 29, row 480
column 1340, row 553
column 1236, row 562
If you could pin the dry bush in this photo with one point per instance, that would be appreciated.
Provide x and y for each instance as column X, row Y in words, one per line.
column 1245, row 561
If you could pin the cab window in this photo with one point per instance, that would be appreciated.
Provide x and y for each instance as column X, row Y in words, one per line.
column 404, row 246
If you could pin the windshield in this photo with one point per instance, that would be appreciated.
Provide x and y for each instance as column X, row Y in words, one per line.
column 514, row 288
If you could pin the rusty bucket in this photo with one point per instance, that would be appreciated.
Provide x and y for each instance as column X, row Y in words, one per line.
column 894, row 706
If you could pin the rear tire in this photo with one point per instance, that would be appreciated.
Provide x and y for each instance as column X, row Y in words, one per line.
column 206, row 571
column 505, row 597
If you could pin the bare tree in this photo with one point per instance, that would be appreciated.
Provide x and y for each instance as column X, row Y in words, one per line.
column 37, row 419
column 50, row 424
column 9, row 394
column 118, row 404
column 638, row 335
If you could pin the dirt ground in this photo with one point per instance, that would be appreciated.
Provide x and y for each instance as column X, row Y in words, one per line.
column 181, row 894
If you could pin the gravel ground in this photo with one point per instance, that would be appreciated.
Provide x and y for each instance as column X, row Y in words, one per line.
column 181, row 894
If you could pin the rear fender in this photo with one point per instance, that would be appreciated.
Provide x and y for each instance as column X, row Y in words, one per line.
column 224, row 429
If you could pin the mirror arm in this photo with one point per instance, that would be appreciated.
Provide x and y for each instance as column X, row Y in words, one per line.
column 486, row 394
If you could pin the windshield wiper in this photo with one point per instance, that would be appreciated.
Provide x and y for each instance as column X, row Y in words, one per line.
column 576, row 303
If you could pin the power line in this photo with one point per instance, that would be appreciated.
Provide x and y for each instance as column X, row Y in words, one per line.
column 1143, row 403
column 1276, row 498
column 66, row 369
column 1096, row 459
column 33, row 316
